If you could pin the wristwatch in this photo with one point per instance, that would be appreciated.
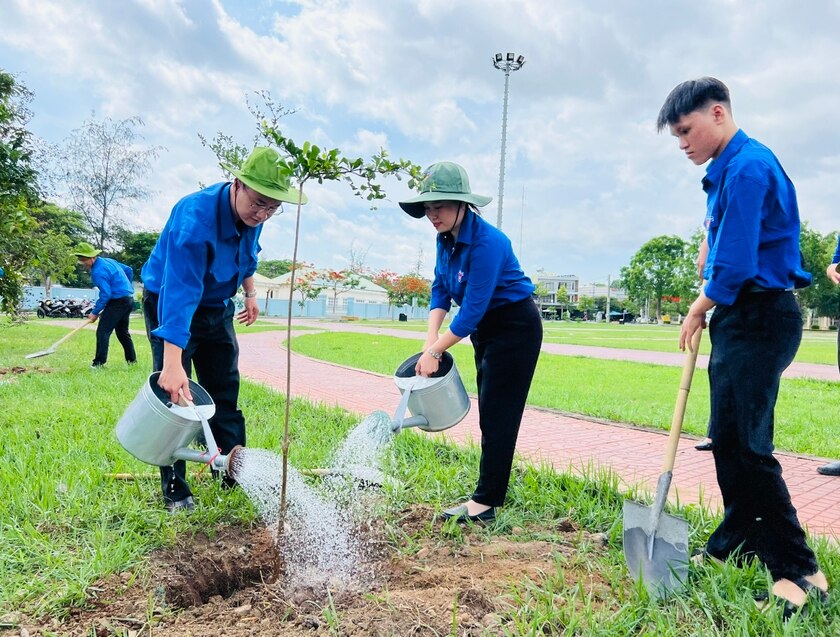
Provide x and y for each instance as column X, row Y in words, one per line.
column 436, row 355
column 250, row 295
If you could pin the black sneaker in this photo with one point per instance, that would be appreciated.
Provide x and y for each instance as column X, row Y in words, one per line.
column 187, row 504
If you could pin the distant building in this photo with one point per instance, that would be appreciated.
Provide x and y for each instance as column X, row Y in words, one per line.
column 554, row 283
column 599, row 289
column 366, row 292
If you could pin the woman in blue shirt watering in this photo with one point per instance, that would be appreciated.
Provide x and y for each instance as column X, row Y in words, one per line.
column 476, row 268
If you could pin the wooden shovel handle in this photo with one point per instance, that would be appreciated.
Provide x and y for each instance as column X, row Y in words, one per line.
column 73, row 331
column 682, row 399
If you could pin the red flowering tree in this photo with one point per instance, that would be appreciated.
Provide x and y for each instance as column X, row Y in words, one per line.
column 308, row 284
column 339, row 282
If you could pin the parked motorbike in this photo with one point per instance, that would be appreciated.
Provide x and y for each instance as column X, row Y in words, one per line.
column 79, row 309
column 53, row 308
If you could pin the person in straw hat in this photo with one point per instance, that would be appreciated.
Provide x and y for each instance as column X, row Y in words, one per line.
column 207, row 250
column 476, row 268
column 115, row 302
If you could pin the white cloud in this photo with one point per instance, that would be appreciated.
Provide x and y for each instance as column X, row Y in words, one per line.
column 416, row 78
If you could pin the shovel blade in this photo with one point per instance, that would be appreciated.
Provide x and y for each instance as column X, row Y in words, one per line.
column 45, row 352
column 667, row 570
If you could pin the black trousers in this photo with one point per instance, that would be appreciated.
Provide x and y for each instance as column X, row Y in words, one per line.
column 753, row 341
column 214, row 352
column 113, row 317
column 507, row 346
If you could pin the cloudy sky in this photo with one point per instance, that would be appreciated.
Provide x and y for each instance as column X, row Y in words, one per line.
column 588, row 179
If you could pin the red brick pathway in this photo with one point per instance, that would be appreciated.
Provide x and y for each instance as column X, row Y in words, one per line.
column 564, row 441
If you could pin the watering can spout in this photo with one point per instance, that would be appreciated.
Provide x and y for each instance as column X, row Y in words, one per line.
column 413, row 421
column 219, row 462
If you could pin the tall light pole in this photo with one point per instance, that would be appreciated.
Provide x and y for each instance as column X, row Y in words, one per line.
column 506, row 63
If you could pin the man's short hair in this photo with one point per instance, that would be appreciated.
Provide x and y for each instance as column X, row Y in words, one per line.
column 691, row 96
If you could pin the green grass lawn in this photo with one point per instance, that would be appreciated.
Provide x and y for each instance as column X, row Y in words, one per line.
column 64, row 524
column 817, row 346
column 623, row 391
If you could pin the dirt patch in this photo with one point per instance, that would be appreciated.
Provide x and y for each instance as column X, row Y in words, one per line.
column 16, row 370
column 232, row 584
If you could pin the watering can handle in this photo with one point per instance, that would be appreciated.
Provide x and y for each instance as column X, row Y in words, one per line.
column 399, row 415
column 205, row 425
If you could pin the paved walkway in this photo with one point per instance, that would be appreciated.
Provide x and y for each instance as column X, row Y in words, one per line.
column 565, row 442
column 675, row 358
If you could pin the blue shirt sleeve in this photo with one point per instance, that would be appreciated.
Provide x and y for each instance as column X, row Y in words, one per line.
column 836, row 257
column 485, row 267
column 182, row 284
column 100, row 279
column 440, row 299
column 733, row 255
column 129, row 272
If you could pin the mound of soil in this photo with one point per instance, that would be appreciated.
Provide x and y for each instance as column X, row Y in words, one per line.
column 232, row 584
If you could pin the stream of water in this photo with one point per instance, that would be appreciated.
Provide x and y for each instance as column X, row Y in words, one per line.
column 319, row 540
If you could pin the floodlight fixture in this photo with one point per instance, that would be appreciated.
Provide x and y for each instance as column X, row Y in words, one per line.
column 508, row 63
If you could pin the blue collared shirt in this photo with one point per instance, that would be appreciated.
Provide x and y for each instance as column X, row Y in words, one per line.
column 200, row 258
column 752, row 220
column 113, row 280
column 478, row 271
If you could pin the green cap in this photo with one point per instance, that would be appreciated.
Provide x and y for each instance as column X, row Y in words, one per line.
column 84, row 249
column 263, row 173
column 444, row 181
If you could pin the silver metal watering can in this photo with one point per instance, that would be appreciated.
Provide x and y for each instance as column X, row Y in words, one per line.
column 158, row 432
column 436, row 403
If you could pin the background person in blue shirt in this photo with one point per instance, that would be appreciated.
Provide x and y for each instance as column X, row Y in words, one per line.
column 753, row 264
column 207, row 250
column 114, row 305
column 833, row 468
column 476, row 268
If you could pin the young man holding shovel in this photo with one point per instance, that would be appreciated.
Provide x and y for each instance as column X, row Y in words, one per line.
column 833, row 468
column 752, row 267
column 114, row 305
column 207, row 250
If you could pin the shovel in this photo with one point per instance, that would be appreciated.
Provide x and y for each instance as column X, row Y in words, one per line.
column 656, row 543
column 51, row 348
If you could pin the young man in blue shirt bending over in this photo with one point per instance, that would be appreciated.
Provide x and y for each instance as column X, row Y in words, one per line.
column 114, row 304
column 753, row 265
column 207, row 250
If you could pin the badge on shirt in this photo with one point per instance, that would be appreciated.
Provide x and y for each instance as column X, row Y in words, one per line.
column 460, row 275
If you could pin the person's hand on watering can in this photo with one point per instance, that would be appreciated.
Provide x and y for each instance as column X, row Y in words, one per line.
column 426, row 364
column 250, row 313
column 173, row 378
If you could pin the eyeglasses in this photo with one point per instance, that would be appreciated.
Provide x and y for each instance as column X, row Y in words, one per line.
column 262, row 207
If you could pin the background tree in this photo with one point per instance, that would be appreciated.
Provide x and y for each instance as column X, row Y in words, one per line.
column 410, row 289
column 100, row 169
column 274, row 268
column 135, row 248
column 822, row 297
column 18, row 190
column 562, row 300
column 339, row 282
column 541, row 291
column 662, row 267
column 358, row 260
column 586, row 304
column 309, row 285
column 54, row 261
